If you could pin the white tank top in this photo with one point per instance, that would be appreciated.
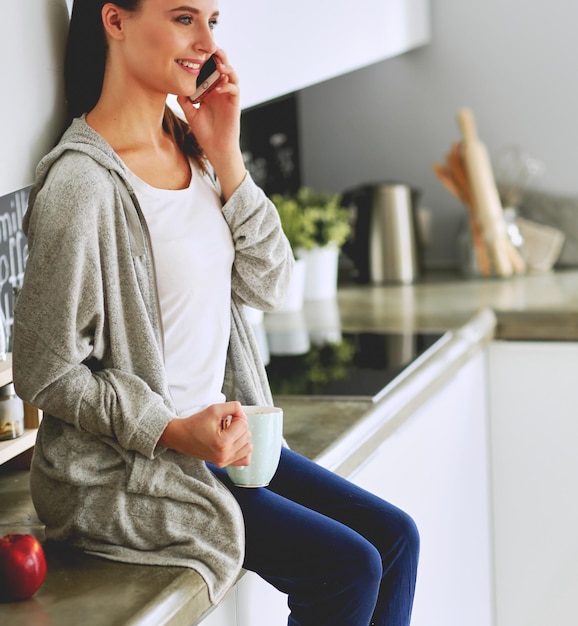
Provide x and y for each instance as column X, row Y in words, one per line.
column 193, row 254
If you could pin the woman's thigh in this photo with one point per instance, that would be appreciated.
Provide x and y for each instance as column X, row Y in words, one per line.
column 304, row 481
column 390, row 530
column 330, row 572
column 308, row 513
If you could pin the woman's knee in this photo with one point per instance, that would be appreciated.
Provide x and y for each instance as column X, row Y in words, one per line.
column 404, row 541
column 410, row 533
column 352, row 600
column 367, row 569
column 395, row 534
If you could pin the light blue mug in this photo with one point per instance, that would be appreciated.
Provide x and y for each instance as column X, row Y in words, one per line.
column 266, row 427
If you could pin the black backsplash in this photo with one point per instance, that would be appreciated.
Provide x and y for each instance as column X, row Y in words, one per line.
column 270, row 144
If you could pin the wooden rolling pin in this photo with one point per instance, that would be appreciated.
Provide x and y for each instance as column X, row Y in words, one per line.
column 505, row 257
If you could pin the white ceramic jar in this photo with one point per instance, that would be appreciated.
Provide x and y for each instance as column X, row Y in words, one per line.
column 11, row 413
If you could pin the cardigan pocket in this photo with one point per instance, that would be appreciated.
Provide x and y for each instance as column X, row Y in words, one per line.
column 174, row 476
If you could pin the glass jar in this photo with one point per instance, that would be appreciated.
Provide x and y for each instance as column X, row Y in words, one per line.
column 11, row 413
column 468, row 262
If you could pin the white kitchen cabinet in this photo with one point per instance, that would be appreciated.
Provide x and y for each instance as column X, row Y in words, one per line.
column 251, row 602
column 280, row 47
column 225, row 614
column 435, row 467
column 534, row 438
column 259, row 603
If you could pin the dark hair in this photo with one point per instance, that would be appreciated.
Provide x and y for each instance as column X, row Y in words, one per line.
column 84, row 66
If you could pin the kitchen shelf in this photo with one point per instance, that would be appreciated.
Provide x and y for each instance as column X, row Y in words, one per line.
column 13, row 447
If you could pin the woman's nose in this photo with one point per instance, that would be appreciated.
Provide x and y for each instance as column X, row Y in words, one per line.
column 205, row 41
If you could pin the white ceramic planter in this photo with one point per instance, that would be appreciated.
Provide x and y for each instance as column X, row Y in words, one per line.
column 296, row 293
column 262, row 343
column 321, row 272
column 323, row 321
column 287, row 333
column 254, row 316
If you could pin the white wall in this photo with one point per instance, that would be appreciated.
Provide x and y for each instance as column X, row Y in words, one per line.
column 512, row 61
column 32, row 38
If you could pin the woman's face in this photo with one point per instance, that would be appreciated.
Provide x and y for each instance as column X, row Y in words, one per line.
column 166, row 42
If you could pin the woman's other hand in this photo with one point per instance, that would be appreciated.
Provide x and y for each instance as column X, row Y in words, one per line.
column 218, row 434
column 216, row 124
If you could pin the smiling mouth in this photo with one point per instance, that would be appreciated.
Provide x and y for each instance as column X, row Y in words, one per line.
column 189, row 65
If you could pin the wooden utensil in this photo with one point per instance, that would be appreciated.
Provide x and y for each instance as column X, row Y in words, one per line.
column 455, row 161
column 455, row 164
column 455, row 185
column 485, row 196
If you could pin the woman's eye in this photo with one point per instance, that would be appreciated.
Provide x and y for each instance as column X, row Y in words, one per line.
column 188, row 20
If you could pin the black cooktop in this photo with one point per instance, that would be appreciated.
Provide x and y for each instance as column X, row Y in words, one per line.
column 360, row 366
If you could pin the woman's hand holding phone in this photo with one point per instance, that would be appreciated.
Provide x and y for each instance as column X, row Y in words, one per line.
column 207, row 80
column 216, row 123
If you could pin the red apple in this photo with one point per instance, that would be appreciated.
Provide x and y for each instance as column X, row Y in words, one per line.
column 22, row 567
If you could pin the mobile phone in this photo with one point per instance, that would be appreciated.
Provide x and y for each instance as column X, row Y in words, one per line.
column 207, row 79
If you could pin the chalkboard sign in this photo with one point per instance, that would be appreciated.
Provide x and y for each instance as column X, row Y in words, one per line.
column 13, row 253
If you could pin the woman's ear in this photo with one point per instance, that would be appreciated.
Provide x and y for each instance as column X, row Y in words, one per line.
column 113, row 20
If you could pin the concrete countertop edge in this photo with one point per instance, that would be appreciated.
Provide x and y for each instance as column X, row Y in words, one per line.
column 410, row 391
column 185, row 599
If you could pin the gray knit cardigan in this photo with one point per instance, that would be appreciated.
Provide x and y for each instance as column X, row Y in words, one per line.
column 88, row 351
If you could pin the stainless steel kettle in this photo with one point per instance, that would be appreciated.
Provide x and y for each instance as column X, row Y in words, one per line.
column 384, row 244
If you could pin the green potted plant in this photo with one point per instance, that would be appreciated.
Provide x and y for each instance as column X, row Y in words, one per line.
column 299, row 230
column 317, row 226
column 328, row 222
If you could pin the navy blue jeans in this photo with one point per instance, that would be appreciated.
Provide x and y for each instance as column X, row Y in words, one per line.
column 344, row 556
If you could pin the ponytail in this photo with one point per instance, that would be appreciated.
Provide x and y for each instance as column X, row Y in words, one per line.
column 85, row 58
column 184, row 138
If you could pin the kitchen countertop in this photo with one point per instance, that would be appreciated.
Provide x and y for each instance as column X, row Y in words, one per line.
column 532, row 307
column 337, row 434
column 536, row 306
column 340, row 435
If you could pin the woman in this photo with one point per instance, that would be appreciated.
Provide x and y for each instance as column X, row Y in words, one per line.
column 129, row 335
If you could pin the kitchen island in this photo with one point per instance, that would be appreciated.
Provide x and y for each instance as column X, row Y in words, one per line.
column 353, row 438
